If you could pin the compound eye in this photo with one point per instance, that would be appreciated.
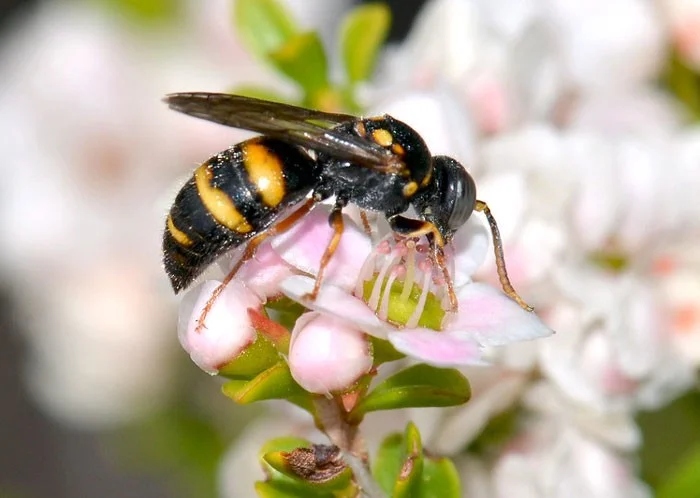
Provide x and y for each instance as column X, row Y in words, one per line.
column 458, row 192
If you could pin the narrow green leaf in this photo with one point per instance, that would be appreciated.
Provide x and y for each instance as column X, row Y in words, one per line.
column 274, row 383
column 288, row 489
column 263, row 25
column 388, row 461
column 302, row 58
column 337, row 478
column 284, row 443
column 439, row 480
column 410, row 474
column 417, row 386
column 361, row 36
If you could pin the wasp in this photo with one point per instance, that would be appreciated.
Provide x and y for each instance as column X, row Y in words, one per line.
column 302, row 157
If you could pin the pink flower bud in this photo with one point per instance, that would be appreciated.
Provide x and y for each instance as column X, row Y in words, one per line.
column 227, row 329
column 326, row 354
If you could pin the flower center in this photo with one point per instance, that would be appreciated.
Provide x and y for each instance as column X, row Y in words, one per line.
column 402, row 285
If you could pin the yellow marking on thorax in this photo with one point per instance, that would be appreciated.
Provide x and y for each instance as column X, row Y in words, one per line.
column 410, row 189
column 218, row 203
column 427, row 178
column 266, row 171
column 397, row 149
column 180, row 237
column 382, row 137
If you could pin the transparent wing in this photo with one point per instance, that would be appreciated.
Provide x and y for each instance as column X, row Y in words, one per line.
column 292, row 124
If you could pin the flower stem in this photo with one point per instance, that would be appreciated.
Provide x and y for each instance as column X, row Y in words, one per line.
column 331, row 420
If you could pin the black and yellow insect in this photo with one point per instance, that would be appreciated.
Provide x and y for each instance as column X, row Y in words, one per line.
column 303, row 157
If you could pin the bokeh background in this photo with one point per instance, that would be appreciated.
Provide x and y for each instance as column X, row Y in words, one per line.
column 97, row 399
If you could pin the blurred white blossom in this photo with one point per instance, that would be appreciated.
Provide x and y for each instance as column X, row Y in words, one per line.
column 592, row 173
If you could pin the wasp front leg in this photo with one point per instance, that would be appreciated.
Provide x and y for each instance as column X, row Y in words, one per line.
column 409, row 227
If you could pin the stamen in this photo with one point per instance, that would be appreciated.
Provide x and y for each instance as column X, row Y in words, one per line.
column 420, row 306
column 373, row 301
column 395, row 272
column 383, row 247
column 410, row 273
column 403, row 247
column 366, row 273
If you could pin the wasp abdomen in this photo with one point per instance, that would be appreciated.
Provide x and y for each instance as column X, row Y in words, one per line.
column 229, row 199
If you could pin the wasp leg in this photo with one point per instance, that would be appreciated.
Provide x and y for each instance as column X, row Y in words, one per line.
column 500, row 259
column 249, row 252
column 409, row 227
column 365, row 223
column 335, row 220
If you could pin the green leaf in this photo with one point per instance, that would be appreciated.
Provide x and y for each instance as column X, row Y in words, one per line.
column 284, row 443
column 684, row 84
column 388, row 461
column 254, row 359
column 303, row 59
column 417, row 386
column 408, row 479
column 362, row 34
column 283, row 481
column 283, row 310
column 334, row 476
column 439, row 480
column 274, row 383
column 684, row 481
column 146, row 11
column 402, row 469
column 263, row 25
column 383, row 351
column 287, row 489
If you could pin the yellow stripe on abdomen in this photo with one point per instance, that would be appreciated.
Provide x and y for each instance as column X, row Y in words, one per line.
column 180, row 237
column 218, row 203
column 265, row 171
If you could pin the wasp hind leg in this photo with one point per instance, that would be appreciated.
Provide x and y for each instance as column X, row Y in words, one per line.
column 250, row 250
column 500, row 259
column 335, row 220
column 409, row 227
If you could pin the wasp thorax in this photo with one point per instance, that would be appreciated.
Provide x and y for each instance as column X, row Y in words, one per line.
column 403, row 285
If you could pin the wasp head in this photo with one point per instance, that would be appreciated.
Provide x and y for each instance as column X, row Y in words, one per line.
column 450, row 197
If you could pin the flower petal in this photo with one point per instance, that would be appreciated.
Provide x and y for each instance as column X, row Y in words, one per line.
column 440, row 349
column 304, row 245
column 326, row 354
column 471, row 244
column 227, row 330
column 493, row 319
column 263, row 273
column 335, row 301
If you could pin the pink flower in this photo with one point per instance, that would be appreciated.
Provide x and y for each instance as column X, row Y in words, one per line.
column 327, row 354
column 395, row 294
column 228, row 329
